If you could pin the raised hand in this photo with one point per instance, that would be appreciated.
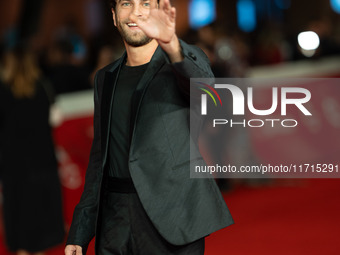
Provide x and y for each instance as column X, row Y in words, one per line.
column 160, row 25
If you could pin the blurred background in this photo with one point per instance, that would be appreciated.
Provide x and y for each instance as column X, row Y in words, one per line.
column 72, row 39
column 258, row 32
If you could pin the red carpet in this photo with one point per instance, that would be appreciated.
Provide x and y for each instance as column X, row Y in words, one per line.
column 299, row 217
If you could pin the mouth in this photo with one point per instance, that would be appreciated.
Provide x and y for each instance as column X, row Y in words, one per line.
column 132, row 25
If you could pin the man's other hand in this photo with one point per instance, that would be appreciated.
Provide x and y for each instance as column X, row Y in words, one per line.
column 73, row 250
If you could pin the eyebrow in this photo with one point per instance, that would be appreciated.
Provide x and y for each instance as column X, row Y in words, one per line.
column 131, row 1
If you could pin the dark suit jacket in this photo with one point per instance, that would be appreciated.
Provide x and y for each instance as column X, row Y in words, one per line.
column 182, row 209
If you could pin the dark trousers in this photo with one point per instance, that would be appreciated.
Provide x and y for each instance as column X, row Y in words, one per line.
column 125, row 229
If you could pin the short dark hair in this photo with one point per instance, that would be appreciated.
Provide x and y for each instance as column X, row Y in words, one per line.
column 113, row 3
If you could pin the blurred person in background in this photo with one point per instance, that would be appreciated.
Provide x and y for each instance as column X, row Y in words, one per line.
column 270, row 47
column 325, row 29
column 107, row 54
column 228, row 54
column 62, row 70
column 32, row 205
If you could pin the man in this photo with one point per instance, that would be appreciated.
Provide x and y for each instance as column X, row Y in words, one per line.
column 138, row 196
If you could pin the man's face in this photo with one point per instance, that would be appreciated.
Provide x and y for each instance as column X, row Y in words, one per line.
column 129, row 31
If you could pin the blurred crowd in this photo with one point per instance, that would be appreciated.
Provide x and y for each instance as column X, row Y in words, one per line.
column 231, row 53
column 70, row 60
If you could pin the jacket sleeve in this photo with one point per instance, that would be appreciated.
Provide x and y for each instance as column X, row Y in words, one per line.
column 84, row 217
column 194, row 65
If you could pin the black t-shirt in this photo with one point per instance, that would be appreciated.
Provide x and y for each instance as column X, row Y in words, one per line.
column 119, row 142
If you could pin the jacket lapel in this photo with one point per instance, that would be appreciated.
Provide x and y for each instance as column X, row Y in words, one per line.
column 110, row 81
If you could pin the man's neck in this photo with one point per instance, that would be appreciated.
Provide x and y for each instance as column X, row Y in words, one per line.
column 137, row 56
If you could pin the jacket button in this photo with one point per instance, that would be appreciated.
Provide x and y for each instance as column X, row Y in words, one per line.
column 192, row 55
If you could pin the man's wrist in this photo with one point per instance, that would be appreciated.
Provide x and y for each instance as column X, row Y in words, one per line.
column 174, row 50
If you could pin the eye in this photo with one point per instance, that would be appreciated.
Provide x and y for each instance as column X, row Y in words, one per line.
column 146, row 4
column 126, row 4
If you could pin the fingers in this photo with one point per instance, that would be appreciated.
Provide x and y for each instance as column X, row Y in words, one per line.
column 165, row 5
column 173, row 14
column 79, row 250
column 161, row 4
column 69, row 249
column 73, row 250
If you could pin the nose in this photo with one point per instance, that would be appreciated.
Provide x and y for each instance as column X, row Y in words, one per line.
column 136, row 10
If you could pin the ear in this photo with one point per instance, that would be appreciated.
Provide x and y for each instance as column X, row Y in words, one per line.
column 114, row 16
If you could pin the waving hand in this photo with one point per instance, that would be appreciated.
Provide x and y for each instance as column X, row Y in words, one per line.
column 161, row 25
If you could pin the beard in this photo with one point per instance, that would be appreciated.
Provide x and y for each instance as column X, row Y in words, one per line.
column 132, row 38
